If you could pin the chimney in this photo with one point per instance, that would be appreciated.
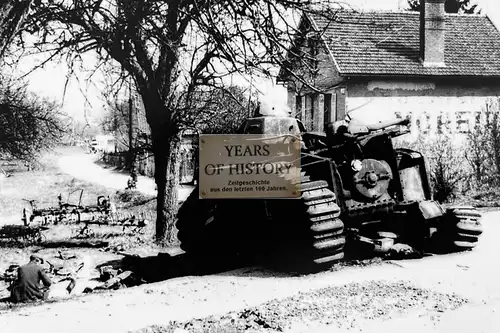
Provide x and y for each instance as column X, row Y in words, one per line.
column 432, row 29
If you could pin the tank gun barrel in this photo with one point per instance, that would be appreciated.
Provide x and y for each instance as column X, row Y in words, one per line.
column 388, row 123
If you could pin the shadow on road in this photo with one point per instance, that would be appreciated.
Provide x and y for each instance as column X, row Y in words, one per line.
column 165, row 266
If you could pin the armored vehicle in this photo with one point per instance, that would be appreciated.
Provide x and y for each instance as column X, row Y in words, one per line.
column 357, row 192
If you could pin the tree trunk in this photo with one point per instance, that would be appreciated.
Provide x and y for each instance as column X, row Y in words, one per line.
column 165, row 139
column 166, row 150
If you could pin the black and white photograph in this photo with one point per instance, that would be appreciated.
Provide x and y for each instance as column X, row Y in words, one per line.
column 249, row 166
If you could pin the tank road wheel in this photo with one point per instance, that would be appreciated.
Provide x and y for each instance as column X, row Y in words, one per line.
column 462, row 229
column 468, row 227
column 324, row 240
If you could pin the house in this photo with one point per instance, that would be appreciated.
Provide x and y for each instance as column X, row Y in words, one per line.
column 439, row 68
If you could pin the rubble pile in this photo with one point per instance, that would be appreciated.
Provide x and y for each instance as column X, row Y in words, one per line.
column 340, row 306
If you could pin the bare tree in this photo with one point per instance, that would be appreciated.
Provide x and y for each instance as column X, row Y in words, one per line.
column 221, row 110
column 116, row 121
column 477, row 153
column 29, row 124
column 492, row 127
column 171, row 49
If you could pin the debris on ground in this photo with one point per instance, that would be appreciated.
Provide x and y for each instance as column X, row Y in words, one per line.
column 358, row 263
column 22, row 234
column 114, row 283
column 115, row 280
column 107, row 272
column 340, row 306
column 403, row 251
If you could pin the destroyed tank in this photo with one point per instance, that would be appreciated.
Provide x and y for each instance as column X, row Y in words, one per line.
column 359, row 194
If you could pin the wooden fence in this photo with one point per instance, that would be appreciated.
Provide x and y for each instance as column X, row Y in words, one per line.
column 146, row 165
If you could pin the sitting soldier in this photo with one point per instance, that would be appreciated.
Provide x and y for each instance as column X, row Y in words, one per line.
column 27, row 287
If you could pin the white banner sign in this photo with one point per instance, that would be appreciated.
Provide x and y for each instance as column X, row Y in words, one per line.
column 249, row 166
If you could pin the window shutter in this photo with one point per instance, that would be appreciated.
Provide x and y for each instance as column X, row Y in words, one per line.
column 340, row 104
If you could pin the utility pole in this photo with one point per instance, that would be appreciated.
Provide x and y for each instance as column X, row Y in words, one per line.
column 131, row 155
column 250, row 111
column 130, row 128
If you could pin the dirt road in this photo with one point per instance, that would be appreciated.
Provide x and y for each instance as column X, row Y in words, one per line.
column 82, row 166
column 472, row 275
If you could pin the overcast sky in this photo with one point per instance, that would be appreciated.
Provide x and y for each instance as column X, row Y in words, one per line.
column 50, row 81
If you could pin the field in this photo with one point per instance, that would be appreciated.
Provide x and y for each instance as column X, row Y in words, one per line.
column 98, row 245
column 42, row 185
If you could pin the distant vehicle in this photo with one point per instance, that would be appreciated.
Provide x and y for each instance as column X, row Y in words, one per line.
column 79, row 143
column 103, row 143
column 94, row 146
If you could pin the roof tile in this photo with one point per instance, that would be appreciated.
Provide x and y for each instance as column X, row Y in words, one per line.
column 388, row 43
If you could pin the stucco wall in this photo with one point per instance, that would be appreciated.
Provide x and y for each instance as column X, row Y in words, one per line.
column 453, row 102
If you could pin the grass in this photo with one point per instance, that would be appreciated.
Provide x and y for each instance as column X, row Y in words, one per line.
column 44, row 185
column 47, row 182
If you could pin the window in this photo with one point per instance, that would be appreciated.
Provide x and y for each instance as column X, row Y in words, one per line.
column 327, row 110
column 315, row 110
column 311, row 112
column 340, row 103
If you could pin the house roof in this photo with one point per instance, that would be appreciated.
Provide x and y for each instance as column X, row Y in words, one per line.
column 388, row 43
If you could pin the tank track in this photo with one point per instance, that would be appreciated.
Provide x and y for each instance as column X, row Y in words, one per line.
column 324, row 240
column 314, row 240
